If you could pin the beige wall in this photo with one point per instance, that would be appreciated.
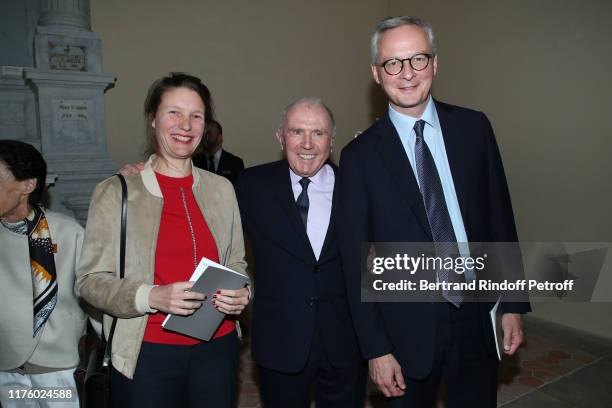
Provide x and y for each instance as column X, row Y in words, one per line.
column 256, row 57
column 541, row 72
column 539, row 69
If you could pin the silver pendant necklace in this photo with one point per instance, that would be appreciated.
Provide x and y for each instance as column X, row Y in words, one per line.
column 193, row 239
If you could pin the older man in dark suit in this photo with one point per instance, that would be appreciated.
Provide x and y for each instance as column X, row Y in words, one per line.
column 426, row 172
column 302, row 332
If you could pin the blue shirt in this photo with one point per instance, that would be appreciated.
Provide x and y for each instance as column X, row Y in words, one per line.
column 432, row 134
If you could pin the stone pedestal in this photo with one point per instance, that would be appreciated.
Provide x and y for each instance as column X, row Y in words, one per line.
column 72, row 133
column 69, row 85
column 58, row 104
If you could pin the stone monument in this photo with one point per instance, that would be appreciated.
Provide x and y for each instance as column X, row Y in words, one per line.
column 58, row 104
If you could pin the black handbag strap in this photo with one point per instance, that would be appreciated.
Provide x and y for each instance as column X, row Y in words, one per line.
column 124, row 197
column 124, row 205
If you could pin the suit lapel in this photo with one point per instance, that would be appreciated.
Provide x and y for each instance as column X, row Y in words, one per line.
column 221, row 162
column 393, row 157
column 330, row 235
column 455, row 151
column 286, row 200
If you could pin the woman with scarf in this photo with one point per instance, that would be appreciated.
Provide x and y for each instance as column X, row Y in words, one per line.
column 40, row 318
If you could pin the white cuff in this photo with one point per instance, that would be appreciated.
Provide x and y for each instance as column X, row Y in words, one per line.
column 142, row 299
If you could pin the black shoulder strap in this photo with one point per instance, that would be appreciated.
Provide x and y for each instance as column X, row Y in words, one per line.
column 124, row 193
column 123, row 226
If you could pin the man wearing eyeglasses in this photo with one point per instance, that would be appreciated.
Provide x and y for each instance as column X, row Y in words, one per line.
column 426, row 172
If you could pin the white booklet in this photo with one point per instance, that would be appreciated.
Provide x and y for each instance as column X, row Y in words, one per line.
column 498, row 333
column 208, row 276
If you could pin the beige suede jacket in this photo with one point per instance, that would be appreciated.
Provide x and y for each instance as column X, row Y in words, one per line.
column 97, row 276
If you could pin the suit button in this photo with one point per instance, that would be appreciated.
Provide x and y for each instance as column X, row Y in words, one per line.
column 317, row 268
column 312, row 300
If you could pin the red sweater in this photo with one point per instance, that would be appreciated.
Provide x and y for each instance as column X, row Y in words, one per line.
column 174, row 260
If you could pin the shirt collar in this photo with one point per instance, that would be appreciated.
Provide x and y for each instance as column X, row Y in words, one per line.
column 316, row 179
column 150, row 181
column 18, row 227
column 404, row 123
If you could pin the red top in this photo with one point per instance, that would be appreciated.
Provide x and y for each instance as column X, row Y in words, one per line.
column 174, row 260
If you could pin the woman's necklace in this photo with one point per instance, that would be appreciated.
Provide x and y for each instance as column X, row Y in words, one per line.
column 193, row 239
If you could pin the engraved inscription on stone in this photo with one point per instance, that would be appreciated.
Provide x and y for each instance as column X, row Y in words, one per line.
column 71, row 122
column 69, row 57
column 71, row 109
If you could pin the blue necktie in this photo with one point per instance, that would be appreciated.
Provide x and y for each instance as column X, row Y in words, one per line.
column 302, row 200
column 437, row 213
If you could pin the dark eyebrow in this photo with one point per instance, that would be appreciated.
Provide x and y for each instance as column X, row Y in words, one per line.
column 181, row 108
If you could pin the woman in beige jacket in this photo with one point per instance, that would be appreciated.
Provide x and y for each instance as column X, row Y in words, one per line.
column 177, row 214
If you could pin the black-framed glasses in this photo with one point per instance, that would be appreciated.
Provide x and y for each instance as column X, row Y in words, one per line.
column 417, row 62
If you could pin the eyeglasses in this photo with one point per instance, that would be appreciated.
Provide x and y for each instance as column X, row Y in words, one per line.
column 417, row 62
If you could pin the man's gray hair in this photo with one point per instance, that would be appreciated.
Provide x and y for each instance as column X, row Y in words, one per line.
column 390, row 23
column 309, row 100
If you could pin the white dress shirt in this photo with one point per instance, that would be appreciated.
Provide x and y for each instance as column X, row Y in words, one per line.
column 320, row 193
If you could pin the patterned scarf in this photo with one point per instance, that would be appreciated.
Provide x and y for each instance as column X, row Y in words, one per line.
column 42, row 264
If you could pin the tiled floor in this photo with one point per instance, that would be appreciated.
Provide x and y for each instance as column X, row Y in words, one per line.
column 556, row 367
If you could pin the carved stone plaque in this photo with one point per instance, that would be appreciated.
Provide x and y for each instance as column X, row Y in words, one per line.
column 71, row 123
column 71, row 109
column 67, row 57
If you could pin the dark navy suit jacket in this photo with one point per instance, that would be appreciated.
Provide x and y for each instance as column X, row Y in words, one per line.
column 379, row 201
column 229, row 165
column 294, row 293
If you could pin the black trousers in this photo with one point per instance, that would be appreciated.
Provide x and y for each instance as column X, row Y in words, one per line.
column 461, row 361
column 168, row 376
column 333, row 387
